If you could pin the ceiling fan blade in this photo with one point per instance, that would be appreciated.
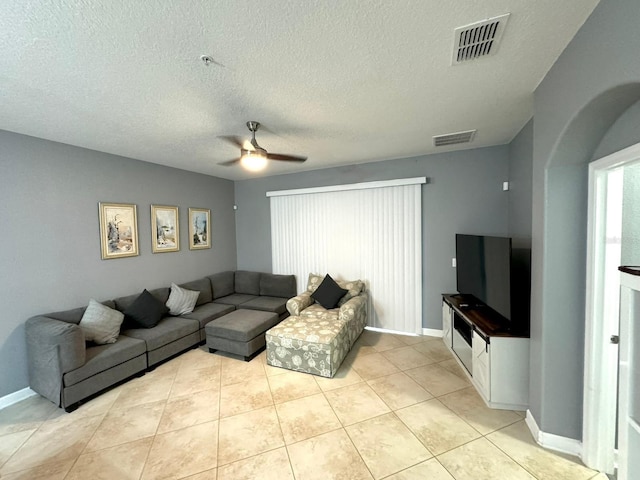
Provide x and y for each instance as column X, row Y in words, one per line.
column 233, row 140
column 286, row 158
column 228, row 163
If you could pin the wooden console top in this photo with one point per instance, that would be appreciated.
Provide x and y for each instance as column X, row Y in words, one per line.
column 485, row 319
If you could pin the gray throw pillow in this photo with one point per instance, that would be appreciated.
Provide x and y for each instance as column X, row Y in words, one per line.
column 100, row 323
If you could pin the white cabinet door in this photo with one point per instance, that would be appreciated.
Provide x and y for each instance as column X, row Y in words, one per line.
column 481, row 365
column 446, row 324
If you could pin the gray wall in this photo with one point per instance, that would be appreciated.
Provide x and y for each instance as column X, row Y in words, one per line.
column 590, row 86
column 50, row 256
column 464, row 195
column 520, row 171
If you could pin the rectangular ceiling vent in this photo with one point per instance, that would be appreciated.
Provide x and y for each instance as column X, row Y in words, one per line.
column 454, row 138
column 478, row 39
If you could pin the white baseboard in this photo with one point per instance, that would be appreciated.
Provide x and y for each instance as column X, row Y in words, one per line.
column 15, row 397
column 551, row 441
column 432, row 332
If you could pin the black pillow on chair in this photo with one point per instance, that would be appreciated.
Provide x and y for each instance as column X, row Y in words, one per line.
column 328, row 293
column 145, row 312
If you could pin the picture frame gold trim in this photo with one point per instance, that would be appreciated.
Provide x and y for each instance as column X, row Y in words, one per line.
column 199, row 228
column 118, row 230
column 165, row 229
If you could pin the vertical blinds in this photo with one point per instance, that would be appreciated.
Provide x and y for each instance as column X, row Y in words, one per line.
column 372, row 232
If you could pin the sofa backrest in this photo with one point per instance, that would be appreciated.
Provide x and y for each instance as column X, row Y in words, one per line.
column 247, row 283
column 222, row 284
column 122, row 303
column 273, row 285
column 202, row 285
column 75, row 314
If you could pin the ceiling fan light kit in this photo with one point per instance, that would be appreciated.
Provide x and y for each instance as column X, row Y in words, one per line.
column 255, row 159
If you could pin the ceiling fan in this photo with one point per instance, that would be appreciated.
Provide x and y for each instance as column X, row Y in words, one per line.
column 255, row 159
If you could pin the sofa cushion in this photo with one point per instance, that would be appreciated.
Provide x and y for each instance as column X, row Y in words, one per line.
column 268, row 304
column 236, row 299
column 203, row 285
column 247, row 283
column 101, row 324
column 329, row 293
column 181, row 300
column 242, row 325
column 102, row 357
column 75, row 314
column 353, row 287
column 146, row 311
column 166, row 331
column 273, row 285
column 314, row 282
column 209, row 311
column 222, row 284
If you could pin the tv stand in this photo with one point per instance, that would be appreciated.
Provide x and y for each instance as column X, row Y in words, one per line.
column 495, row 358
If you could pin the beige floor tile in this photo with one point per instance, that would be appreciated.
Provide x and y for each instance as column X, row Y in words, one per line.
column 50, row 471
column 434, row 349
column 412, row 339
column 481, row 460
column 356, row 403
column 373, row 366
column 306, row 417
column 344, row 376
column 11, row 442
column 127, row 425
column 183, row 452
column 206, row 475
column 97, row 406
column 431, row 470
column 273, row 465
column 381, row 341
column 121, row 462
column 437, row 427
column 468, row 405
column 27, row 414
column 147, row 389
column 328, row 456
column 517, row 442
column 189, row 381
column 236, row 371
column 189, row 410
column 399, row 390
column 436, row 380
column 198, row 358
column 454, row 367
column 359, row 349
column 244, row 397
column 54, row 441
column 292, row 385
column 386, row 445
column 248, row 434
column 406, row 357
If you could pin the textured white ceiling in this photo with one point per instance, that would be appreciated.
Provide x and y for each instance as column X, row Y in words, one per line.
column 341, row 82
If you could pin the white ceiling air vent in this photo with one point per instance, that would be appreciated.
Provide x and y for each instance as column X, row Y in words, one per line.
column 454, row 138
column 478, row 39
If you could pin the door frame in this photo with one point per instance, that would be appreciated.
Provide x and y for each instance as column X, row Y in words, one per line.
column 600, row 386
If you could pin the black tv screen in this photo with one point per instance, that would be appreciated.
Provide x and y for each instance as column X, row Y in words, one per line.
column 483, row 269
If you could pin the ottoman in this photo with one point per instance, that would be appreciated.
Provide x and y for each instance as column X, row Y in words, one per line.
column 309, row 344
column 240, row 332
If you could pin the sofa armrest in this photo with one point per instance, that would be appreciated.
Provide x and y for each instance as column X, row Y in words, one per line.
column 298, row 303
column 355, row 307
column 54, row 348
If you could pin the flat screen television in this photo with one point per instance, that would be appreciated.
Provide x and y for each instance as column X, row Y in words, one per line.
column 490, row 272
column 483, row 270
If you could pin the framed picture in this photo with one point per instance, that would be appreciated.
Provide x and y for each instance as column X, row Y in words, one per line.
column 199, row 228
column 118, row 230
column 165, row 230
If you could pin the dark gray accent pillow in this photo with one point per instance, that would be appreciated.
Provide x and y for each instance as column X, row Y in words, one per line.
column 247, row 282
column 145, row 312
column 329, row 293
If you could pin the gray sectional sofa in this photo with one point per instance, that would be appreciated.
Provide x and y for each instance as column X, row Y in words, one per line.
column 66, row 369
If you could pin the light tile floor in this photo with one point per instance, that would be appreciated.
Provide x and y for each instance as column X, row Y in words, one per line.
column 399, row 408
